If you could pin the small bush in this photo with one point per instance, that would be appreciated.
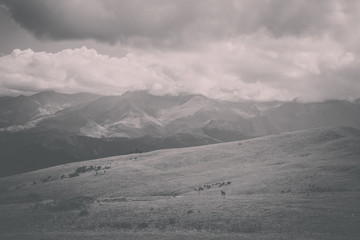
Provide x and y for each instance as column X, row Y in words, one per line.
column 286, row 191
column 47, row 179
column 80, row 169
column 54, row 178
column 190, row 211
column 75, row 174
column 121, row 199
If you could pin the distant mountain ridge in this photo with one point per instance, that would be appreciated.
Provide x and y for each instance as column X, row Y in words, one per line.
column 51, row 128
column 23, row 112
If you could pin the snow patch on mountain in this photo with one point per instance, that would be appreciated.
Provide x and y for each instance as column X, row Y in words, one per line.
column 51, row 108
column 185, row 110
column 92, row 129
column 44, row 112
column 136, row 120
column 30, row 124
column 243, row 114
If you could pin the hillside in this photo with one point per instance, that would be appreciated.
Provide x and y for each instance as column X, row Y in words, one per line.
column 298, row 185
column 50, row 128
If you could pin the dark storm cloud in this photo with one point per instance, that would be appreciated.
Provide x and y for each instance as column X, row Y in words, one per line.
column 166, row 22
column 61, row 19
column 106, row 21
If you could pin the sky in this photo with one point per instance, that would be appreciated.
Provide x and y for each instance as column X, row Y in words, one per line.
column 235, row 49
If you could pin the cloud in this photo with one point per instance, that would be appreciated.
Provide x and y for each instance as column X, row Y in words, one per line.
column 72, row 71
column 231, row 70
column 172, row 23
column 268, row 49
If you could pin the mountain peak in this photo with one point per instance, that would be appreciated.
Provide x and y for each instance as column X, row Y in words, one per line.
column 137, row 93
column 46, row 93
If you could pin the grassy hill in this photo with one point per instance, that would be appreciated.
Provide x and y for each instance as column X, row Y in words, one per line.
column 299, row 185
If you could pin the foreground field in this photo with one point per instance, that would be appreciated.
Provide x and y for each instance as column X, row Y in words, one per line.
column 300, row 185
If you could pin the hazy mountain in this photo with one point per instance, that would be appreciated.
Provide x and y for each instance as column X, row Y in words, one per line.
column 299, row 185
column 86, row 126
column 24, row 112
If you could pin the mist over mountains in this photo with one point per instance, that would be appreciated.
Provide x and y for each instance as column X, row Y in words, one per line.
column 51, row 128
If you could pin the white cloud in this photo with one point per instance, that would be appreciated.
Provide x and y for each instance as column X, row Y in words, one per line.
column 256, row 67
column 72, row 71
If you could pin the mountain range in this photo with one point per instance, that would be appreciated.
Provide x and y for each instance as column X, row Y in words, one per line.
column 51, row 128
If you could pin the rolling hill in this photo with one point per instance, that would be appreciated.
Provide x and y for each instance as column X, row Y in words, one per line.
column 51, row 128
column 298, row 185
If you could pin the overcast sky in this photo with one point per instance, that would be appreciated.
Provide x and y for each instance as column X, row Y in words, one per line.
column 240, row 49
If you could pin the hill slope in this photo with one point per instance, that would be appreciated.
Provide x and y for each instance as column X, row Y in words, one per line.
column 299, row 185
column 36, row 130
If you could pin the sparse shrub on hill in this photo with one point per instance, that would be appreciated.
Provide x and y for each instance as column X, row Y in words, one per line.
column 47, row 179
column 209, row 186
column 120, row 199
column 75, row 174
column 84, row 169
column 286, row 191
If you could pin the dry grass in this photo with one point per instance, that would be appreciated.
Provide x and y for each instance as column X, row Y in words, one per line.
column 302, row 185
